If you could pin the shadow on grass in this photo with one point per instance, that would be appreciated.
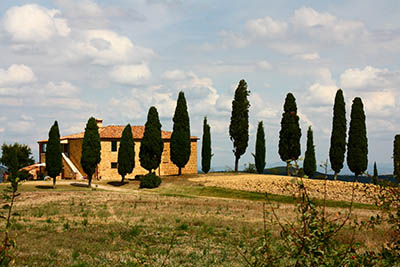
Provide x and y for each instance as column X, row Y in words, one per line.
column 117, row 183
column 44, row 187
column 79, row 184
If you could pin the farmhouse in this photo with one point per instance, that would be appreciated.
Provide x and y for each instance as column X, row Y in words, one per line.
column 108, row 167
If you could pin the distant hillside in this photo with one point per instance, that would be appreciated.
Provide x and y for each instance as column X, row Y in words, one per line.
column 281, row 170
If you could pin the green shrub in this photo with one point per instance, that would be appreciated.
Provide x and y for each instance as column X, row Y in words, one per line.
column 150, row 180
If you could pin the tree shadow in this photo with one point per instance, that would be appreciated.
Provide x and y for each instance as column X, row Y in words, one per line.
column 114, row 183
column 44, row 187
column 79, row 184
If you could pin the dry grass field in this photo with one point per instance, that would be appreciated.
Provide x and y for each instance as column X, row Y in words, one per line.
column 182, row 223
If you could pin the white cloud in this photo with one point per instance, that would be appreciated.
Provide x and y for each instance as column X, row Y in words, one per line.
column 307, row 17
column 266, row 27
column 264, row 65
column 233, row 39
column 34, row 23
column 377, row 102
column 19, row 126
column 61, row 89
column 130, row 74
column 106, row 47
column 16, row 74
column 369, row 78
column 174, row 75
column 308, row 56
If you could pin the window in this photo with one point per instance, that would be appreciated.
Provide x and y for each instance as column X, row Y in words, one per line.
column 114, row 165
column 44, row 148
column 113, row 146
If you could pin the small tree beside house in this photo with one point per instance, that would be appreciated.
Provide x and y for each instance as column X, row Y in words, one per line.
column 126, row 153
column 206, row 147
column 53, row 153
column 180, row 138
column 259, row 156
column 239, row 126
column 357, row 147
column 152, row 144
column 90, row 149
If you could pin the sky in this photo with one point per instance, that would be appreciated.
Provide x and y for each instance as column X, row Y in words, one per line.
column 67, row 60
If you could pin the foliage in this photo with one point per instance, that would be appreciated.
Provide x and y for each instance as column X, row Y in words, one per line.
column 259, row 156
column 396, row 157
column 310, row 164
column 180, row 138
column 16, row 156
column 290, row 133
column 24, row 175
column 9, row 196
column 251, row 168
column 239, row 125
column 53, row 153
column 90, row 149
column 206, row 154
column 375, row 177
column 338, row 136
column 150, row 180
column 357, row 147
column 152, row 144
column 126, row 153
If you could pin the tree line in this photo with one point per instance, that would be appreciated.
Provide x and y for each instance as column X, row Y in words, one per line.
column 289, row 148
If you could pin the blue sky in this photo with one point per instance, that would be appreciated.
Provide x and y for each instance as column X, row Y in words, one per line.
column 67, row 60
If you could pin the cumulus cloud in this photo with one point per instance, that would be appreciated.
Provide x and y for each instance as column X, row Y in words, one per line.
column 266, row 27
column 33, row 23
column 61, row 89
column 106, row 47
column 174, row 75
column 16, row 75
column 308, row 56
column 369, row 78
column 131, row 74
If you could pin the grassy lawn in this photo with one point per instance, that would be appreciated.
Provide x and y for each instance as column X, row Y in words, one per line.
column 179, row 224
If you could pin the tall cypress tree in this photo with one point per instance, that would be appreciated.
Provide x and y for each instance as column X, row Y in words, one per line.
column 357, row 147
column 126, row 153
column 310, row 164
column 53, row 153
column 180, row 138
column 396, row 157
column 375, row 177
column 152, row 144
column 239, row 126
column 338, row 136
column 90, row 149
column 290, row 133
column 259, row 156
column 206, row 147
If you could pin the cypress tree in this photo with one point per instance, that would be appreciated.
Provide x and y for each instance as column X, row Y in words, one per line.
column 259, row 156
column 206, row 147
column 53, row 153
column 338, row 136
column 375, row 177
column 126, row 153
column 290, row 133
column 310, row 164
column 152, row 144
column 180, row 138
column 90, row 149
column 357, row 147
column 396, row 157
column 239, row 126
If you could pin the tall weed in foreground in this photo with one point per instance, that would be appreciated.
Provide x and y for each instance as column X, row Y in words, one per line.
column 9, row 195
column 312, row 238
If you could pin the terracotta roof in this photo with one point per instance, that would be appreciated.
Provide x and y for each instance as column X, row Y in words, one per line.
column 115, row 132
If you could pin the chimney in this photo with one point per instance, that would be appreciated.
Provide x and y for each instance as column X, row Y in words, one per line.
column 99, row 123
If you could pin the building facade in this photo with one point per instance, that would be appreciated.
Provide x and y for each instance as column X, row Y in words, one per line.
column 107, row 169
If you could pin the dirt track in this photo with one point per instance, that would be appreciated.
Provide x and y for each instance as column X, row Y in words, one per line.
column 275, row 184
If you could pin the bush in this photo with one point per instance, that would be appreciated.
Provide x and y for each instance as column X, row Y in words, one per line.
column 24, row 175
column 150, row 180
